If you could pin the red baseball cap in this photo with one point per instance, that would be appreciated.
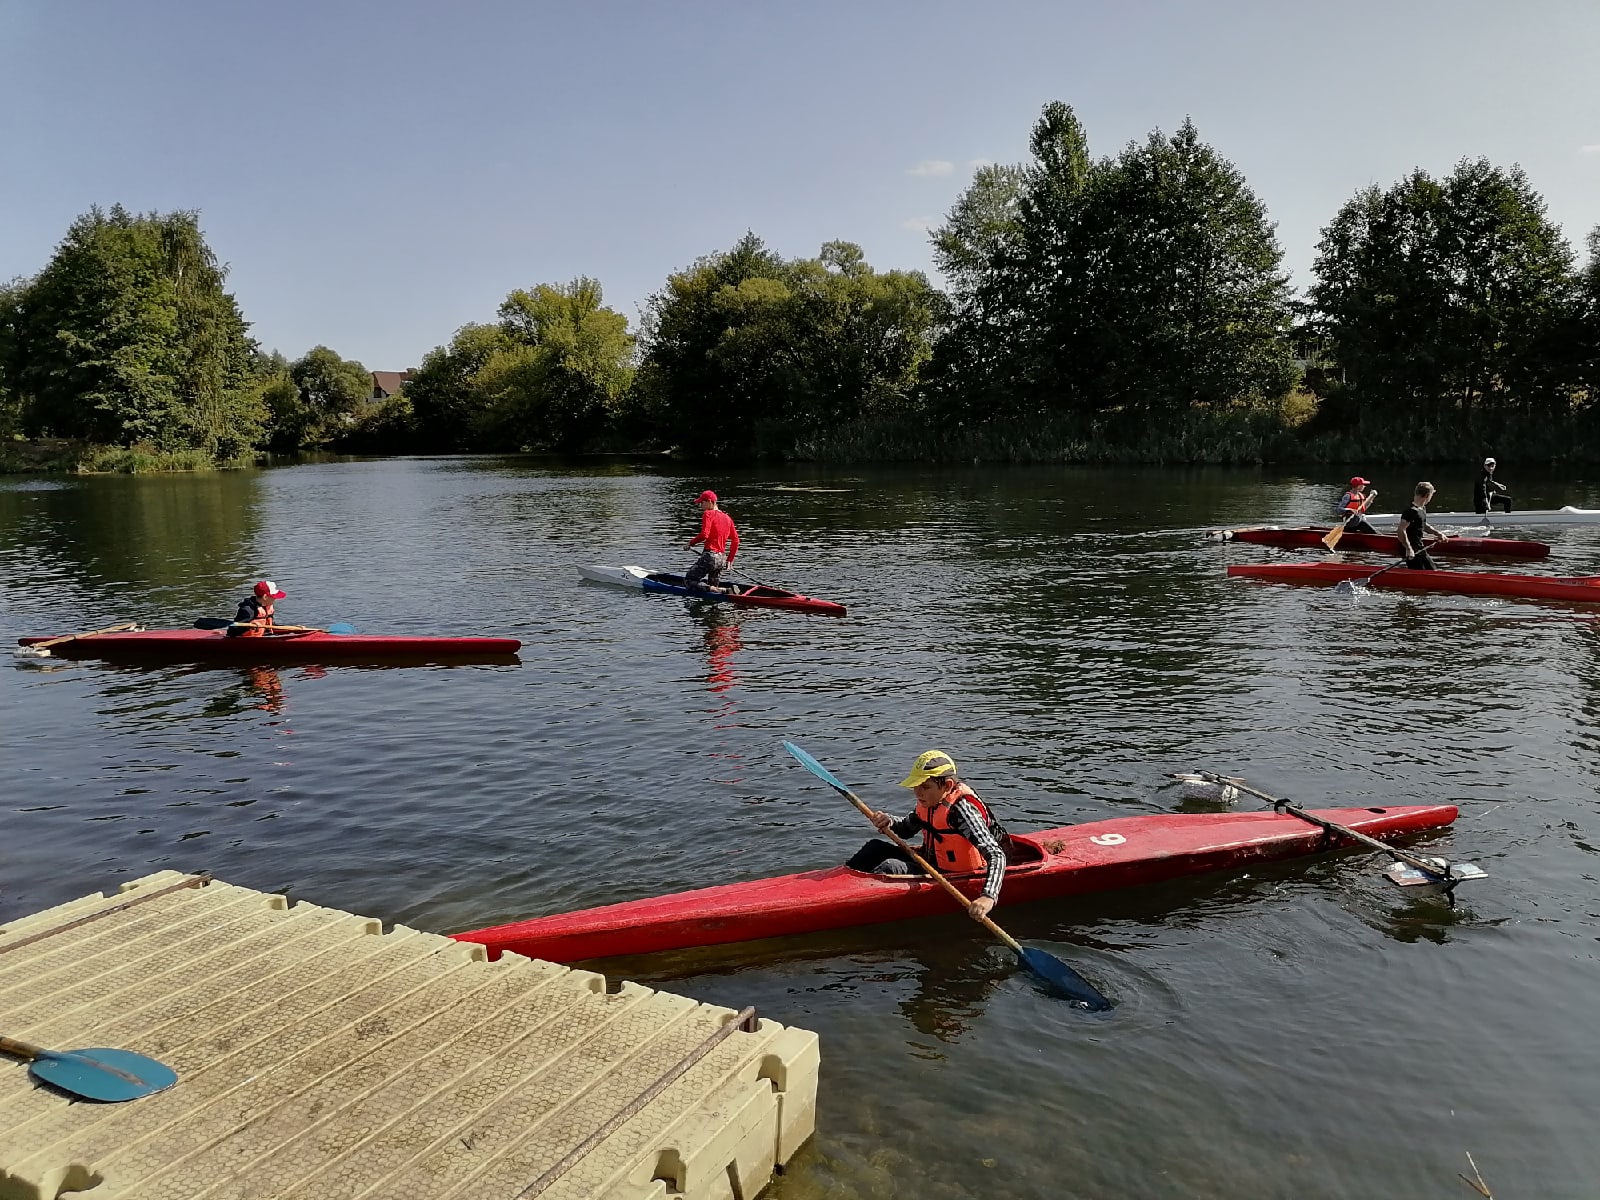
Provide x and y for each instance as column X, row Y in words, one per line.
column 704, row 496
column 267, row 588
column 1359, row 482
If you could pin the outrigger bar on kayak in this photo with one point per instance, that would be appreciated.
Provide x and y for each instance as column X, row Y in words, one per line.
column 1409, row 870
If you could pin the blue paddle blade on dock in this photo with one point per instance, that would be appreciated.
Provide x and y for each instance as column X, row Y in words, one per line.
column 102, row 1073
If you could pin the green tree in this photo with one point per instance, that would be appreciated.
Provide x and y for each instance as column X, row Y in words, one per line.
column 335, row 393
column 1442, row 300
column 449, row 410
column 745, row 351
column 572, row 365
column 1149, row 283
column 128, row 336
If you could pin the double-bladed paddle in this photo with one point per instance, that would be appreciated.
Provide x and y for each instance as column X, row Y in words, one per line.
column 1057, row 975
column 340, row 627
column 99, row 1073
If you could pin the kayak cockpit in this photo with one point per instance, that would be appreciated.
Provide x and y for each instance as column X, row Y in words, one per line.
column 1023, row 855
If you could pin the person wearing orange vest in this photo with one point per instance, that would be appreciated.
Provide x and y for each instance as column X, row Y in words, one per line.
column 959, row 836
column 256, row 611
column 1353, row 506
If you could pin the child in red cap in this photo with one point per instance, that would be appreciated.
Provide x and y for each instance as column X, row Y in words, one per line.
column 1353, row 506
column 255, row 613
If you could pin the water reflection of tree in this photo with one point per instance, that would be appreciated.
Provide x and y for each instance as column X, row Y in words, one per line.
column 150, row 535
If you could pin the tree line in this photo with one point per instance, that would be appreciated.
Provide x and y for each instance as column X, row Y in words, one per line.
column 1130, row 307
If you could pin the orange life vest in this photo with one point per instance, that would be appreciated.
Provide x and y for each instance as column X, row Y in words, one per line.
column 947, row 850
column 1353, row 502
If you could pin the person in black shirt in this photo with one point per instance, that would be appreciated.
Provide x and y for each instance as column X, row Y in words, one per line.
column 1489, row 493
column 1413, row 525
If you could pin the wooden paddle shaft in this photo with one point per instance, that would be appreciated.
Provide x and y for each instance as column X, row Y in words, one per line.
column 943, row 882
column 20, row 1049
column 71, row 637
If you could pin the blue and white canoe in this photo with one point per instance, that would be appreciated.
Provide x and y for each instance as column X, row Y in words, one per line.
column 755, row 595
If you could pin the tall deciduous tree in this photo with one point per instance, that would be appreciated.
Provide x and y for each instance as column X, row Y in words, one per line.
column 745, row 341
column 1441, row 299
column 127, row 335
column 1149, row 282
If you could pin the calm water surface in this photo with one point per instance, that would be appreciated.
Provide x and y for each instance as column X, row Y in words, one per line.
column 1303, row 1031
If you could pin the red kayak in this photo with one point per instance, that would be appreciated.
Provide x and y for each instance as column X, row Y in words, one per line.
column 210, row 645
column 1584, row 589
column 1070, row 861
column 1311, row 537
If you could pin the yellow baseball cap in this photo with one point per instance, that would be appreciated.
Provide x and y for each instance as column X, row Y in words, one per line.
column 930, row 763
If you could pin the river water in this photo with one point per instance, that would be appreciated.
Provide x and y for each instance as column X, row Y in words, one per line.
column 1302, row 1031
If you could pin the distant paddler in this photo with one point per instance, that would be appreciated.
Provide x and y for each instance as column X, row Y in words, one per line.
column 959, row 836
column 1353, row 506
column 719, row 544
column 1489, row 493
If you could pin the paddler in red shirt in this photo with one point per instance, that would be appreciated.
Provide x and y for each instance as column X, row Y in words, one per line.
column 719, row 542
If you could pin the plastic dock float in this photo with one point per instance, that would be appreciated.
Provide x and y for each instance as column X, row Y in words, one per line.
column 320, row 1058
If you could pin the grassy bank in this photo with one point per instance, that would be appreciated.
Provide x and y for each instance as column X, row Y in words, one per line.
column 60, row 456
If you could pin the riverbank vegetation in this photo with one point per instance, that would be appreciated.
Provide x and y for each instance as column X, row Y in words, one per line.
column 1130, row 308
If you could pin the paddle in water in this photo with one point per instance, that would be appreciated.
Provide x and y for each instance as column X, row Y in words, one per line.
column 1055, row 974
column 99, row 1073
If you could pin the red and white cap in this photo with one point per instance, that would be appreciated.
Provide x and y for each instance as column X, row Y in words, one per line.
column 270, row 590
column 1359, row 482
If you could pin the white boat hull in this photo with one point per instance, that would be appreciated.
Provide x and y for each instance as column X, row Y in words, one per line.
column 633, row 577
column 1498, row 520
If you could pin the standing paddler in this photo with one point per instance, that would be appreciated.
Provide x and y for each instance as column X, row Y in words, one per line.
column 959, row 837
column 1489, row 493
column 719, row 543
column 1413, row 525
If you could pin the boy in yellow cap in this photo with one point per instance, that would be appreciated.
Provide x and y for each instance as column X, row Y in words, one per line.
column 959, row 836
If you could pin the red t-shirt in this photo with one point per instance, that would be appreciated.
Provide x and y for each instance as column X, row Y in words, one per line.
column 717, row 532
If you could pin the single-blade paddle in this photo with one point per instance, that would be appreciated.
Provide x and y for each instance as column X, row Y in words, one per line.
column 1057, row 975
column 99, row 1073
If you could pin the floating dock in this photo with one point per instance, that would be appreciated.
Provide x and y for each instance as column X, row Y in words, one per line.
column 321, row 1058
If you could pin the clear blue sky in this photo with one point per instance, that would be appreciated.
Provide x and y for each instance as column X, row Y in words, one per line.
column 379, row 173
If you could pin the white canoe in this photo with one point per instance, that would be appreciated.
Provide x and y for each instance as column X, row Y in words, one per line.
column 1500, row 520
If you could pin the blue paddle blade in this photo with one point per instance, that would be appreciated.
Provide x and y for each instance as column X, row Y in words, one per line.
column 342, row 627
column 816, row 768
column 103, row 1074
column 212, row 622
column 1062, row 979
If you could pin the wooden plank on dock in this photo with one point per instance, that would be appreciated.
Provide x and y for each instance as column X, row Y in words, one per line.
column 320, row 1057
